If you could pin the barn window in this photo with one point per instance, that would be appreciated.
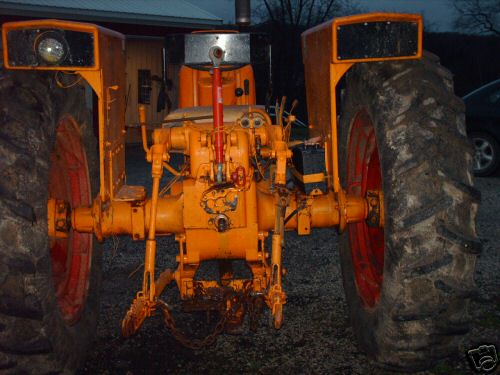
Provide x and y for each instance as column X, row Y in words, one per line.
column 144, row 89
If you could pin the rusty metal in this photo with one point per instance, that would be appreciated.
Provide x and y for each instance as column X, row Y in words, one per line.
column 142, row 308
column 375, row 217
column 232, row 310
column 59, row 218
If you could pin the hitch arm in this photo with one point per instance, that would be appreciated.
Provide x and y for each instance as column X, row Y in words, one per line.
column 276, row 298
column 148, row 286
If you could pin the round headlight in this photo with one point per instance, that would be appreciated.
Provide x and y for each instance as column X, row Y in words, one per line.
column 51, row 48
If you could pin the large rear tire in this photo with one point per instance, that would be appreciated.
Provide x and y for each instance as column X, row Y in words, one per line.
column 48, row 289
column 408, row 285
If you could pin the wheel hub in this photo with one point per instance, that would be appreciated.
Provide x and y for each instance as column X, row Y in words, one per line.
column 366, row 238
column 483, row 155
column 71, row 252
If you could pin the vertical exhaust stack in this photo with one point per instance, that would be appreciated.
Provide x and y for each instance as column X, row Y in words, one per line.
column 242, row 14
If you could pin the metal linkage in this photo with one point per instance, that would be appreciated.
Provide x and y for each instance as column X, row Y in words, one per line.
column 142, row 308
column 216, row 55
column 145, row 301
column 275, row 297
column 234, row 306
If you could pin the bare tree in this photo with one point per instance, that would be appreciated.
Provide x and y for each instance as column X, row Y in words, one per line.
column 284, row 21
column 302, row 13
column 480, row 16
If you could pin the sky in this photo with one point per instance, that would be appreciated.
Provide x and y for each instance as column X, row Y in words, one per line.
column 438, row 14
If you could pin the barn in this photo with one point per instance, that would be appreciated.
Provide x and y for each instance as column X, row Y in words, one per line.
column 144, row 23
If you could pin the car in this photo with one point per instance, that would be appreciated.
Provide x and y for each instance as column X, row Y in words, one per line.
column 483, row 126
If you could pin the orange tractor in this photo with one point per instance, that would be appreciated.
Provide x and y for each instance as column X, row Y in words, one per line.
column 390, row 168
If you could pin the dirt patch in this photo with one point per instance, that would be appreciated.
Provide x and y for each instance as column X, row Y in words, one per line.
column 316, row 337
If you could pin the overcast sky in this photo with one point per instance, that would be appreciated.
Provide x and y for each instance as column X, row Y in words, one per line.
column 438, row 14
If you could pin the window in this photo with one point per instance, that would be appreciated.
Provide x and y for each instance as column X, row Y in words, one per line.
column 144, row 86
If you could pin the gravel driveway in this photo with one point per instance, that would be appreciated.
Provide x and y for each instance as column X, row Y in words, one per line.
column 315, row 338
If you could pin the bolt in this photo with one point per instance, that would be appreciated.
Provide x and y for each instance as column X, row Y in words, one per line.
column 60, row 224
column 217, row 52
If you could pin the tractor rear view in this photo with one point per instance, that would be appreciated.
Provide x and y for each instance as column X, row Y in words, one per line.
column 390, row 168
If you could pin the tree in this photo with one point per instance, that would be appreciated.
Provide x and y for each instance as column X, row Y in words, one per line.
column 285, row 21
column 482, row 16
column 303, row 13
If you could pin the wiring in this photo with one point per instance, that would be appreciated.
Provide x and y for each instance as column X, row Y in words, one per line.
column 61, row 84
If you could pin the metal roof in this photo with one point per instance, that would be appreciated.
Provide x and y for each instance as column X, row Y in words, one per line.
column 178, row 13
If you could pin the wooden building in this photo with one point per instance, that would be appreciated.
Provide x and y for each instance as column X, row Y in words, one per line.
column 144, row 23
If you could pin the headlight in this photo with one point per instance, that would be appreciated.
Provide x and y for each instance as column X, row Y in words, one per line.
column 37, row 46
column 51, row 47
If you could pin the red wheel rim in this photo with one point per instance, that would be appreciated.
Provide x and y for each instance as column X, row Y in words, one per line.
column 367, row 243
column 71, row 257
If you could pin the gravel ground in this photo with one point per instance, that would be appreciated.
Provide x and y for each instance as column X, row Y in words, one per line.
column 315, row 338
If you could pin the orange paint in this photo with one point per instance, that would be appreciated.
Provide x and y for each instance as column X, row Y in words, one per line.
column 213, row 220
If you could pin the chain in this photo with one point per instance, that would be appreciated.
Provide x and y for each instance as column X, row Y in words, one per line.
column 237, row 300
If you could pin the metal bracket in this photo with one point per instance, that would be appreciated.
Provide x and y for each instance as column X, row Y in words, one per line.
column 375, row 216
column 59, row 218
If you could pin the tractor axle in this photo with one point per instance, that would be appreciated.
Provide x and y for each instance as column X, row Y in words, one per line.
column 132, row 217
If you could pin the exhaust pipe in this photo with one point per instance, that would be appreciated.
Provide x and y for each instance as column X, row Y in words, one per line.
column 242, row 12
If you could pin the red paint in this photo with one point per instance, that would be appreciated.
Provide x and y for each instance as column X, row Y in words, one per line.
column 217, row 106
column 239, row 177
column 367, row 243
column 71, row 257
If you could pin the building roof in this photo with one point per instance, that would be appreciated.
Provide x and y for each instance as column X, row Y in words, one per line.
column 174, row 13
